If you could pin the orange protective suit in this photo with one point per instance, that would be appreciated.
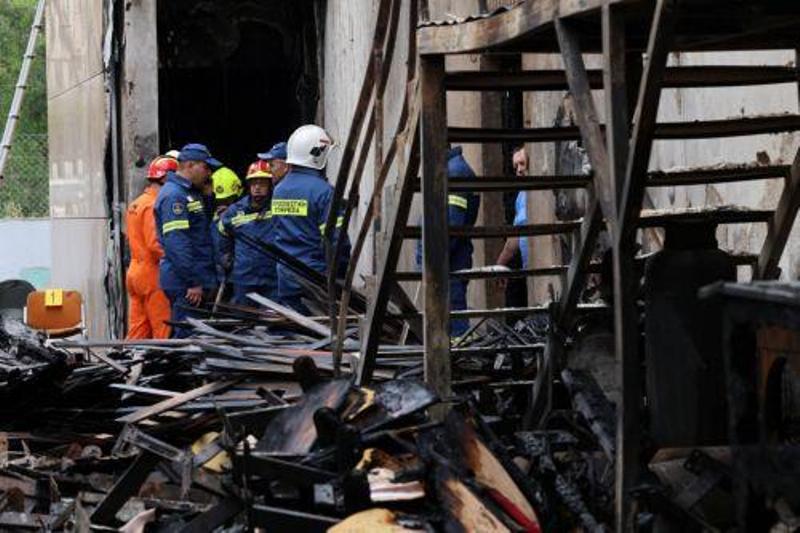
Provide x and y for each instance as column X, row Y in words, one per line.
column 148, row 305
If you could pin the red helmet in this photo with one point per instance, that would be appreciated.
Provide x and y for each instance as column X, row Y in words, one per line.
column 259, row 169
column 160, row 166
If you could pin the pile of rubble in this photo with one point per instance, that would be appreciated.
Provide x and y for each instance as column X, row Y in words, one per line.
column 245, row 425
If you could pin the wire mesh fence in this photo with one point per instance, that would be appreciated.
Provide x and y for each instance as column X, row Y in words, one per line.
column 25, row 193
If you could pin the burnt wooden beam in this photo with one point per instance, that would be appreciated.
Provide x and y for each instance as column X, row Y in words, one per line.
column 491, row 232
column 408, row 124
column 175, row 401
column 699, row 129
column 500, row 29
column 616, row 90
column 780, row 225
column 126, row 487
column 722, row 215
column 492, row 162
column 701, row 176
column 644, row 118
column 518, row 183
column 555, row 270
column 585, row 113
column 675, row 77
column 278, row 519
column 648, row 219
column 617, row 106
column 602, row 197
column 435, row 235
column 631, row 189
column 656, row 178
column 520, row 311
column 397, row 220
column 579, row 267
column 372, row 90
column 785, row 213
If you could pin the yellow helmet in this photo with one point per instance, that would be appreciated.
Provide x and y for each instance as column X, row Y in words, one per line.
column 226, row 184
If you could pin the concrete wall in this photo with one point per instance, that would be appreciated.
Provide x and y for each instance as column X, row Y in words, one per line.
column 139, row 95
column 77, row 106
column 26, row 251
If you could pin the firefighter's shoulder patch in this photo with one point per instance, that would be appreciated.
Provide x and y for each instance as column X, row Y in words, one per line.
column 178, row 208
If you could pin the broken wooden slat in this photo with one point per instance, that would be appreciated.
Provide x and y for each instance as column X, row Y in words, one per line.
column 125, row 487
column 780, row 225
column 291, row 314
column 277, row 519
column 626, row 316
column 700, row 129
column 172, row 403
column 675, row 77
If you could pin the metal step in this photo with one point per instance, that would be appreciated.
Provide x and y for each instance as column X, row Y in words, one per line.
column 517, row 183
column 649, row 218
column 699, row 129
column 696, row 176
column 675, row 77
column 704, row 176
column 739, row 259
column 557, row 270
column 489, row 232
column 509, row 311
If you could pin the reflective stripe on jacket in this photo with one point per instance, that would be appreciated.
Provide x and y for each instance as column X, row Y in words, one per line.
column 300, row 206
column 462, row 210
column 183, row 217
column 251, row 265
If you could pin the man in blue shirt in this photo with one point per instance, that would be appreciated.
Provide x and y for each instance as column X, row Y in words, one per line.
column 242, row 227
column 183, row 215
column 300, row 205
column 517, row 244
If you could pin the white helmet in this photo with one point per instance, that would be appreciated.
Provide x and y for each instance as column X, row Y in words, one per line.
column 309, row 146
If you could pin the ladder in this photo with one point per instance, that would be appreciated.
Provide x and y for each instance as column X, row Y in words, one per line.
column 19, row 90
column 635, row 38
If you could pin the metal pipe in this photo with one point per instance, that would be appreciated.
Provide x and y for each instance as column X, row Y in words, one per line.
column 19, row 90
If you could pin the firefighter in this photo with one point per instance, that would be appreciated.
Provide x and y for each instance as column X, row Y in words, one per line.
column 300, row 205
column 148, row 306
column 462, row 210
column 183, row 219
column 241, row 228
column 276, row 157
column 227, row 188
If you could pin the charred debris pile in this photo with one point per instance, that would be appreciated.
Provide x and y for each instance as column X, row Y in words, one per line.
column 244, row 425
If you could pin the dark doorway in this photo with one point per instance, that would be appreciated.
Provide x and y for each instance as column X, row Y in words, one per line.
column 236, row 75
